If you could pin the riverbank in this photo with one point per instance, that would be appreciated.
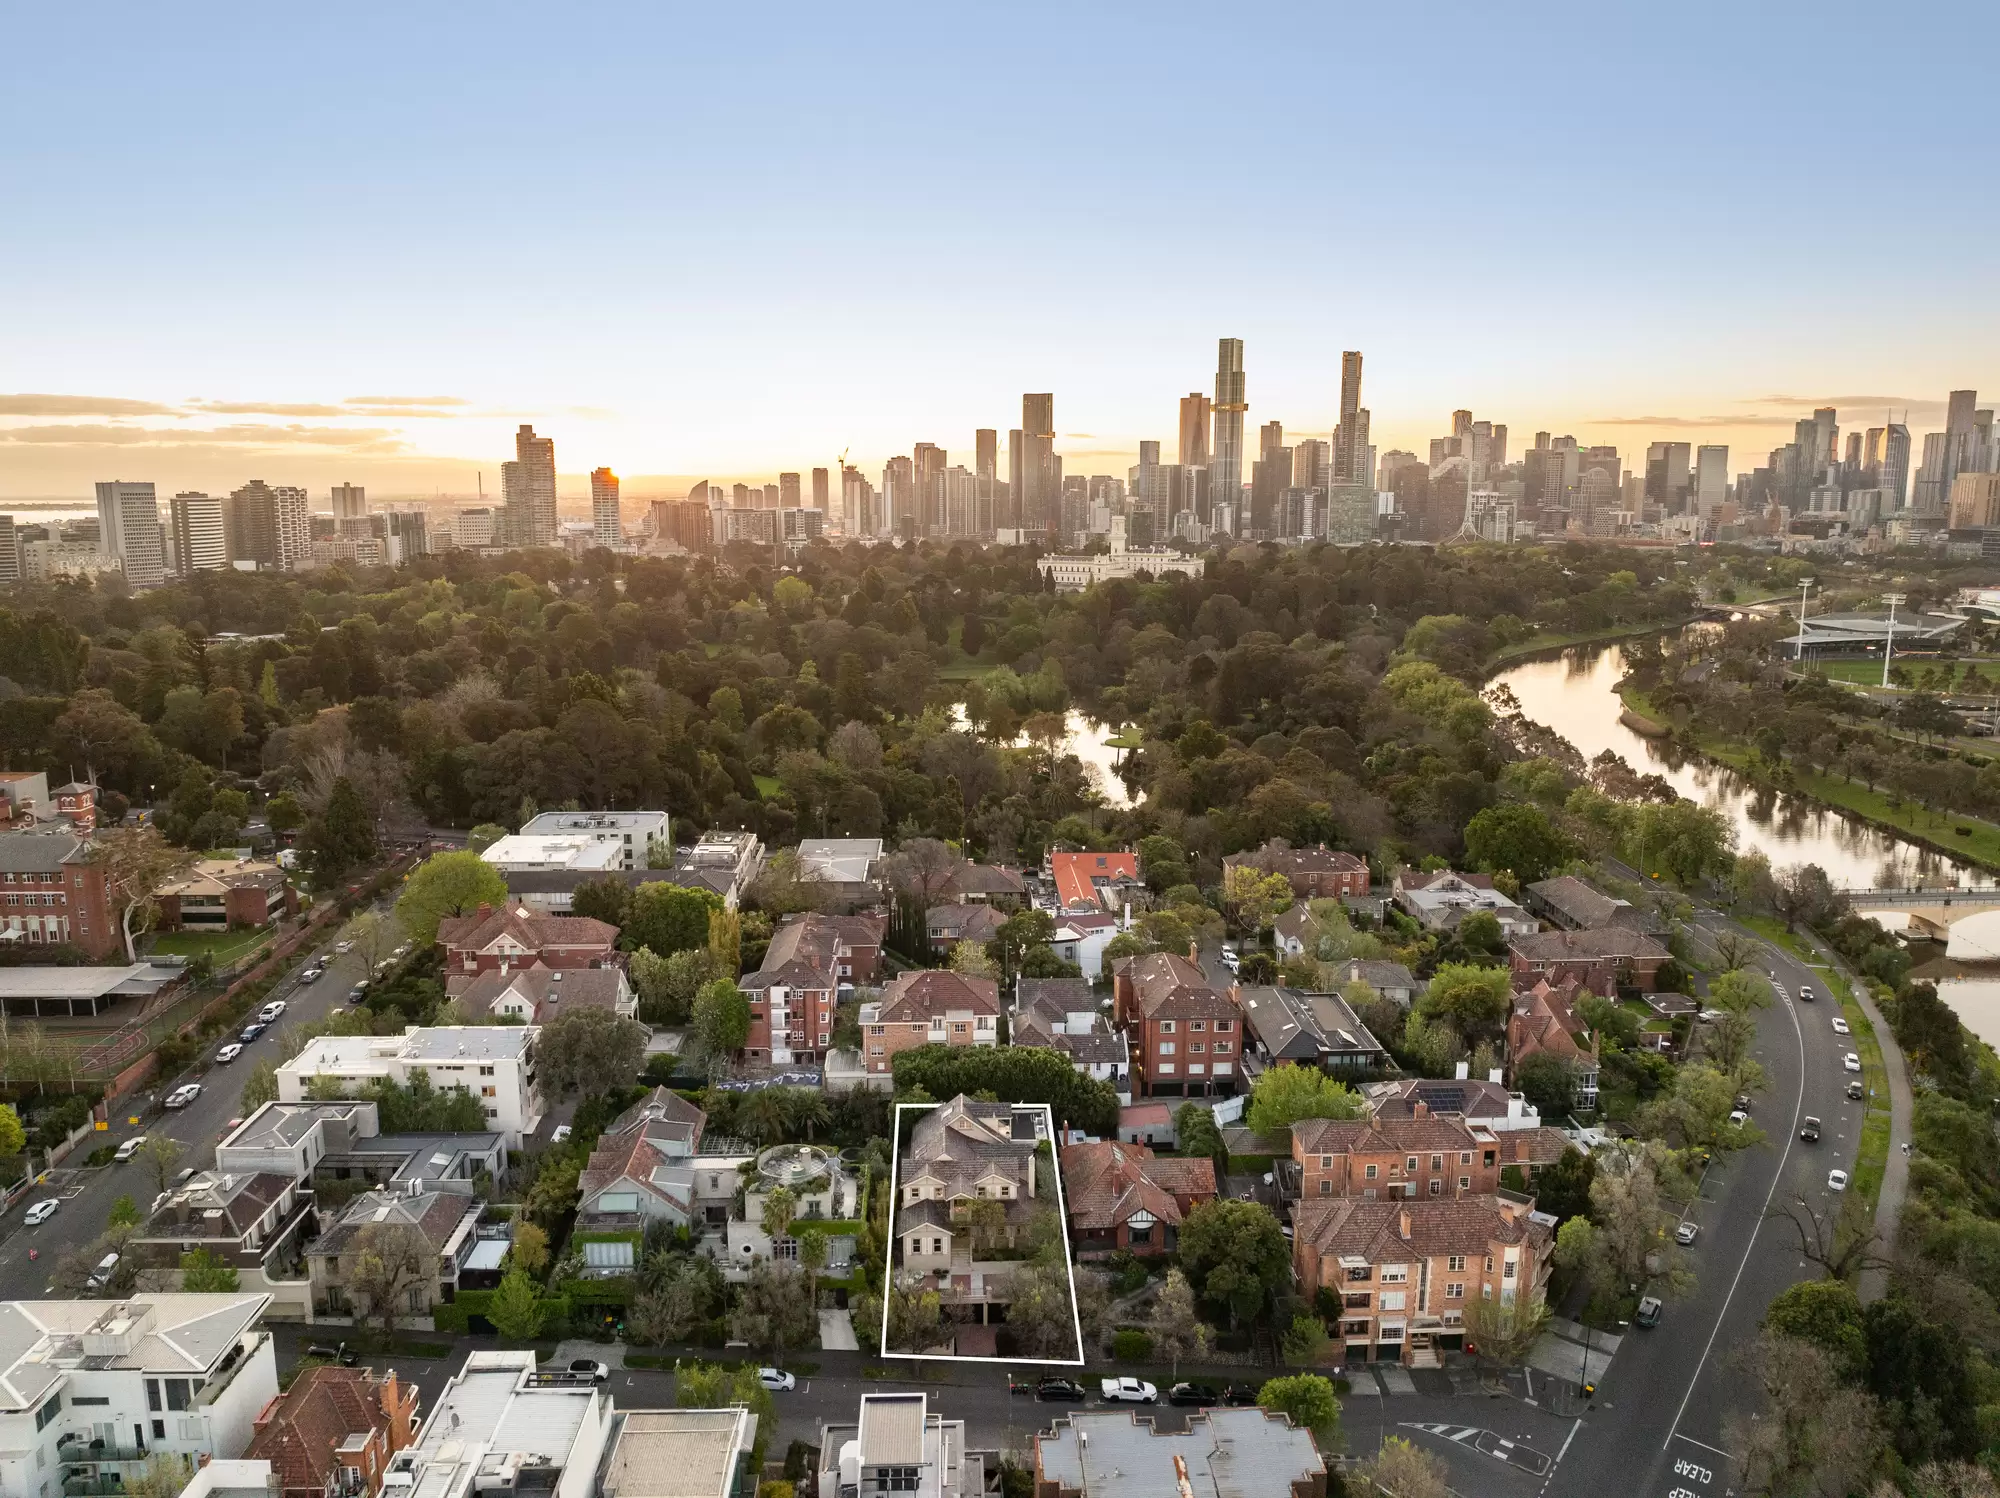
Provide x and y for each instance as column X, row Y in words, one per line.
column 1539, row 646
column 1962, row 837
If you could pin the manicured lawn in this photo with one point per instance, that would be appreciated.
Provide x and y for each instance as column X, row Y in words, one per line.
column 962, row 671
column 225, row 946
column 769, row 787
column 1916, row 670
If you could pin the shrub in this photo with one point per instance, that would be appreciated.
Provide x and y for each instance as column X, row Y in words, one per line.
column 1132, row 1346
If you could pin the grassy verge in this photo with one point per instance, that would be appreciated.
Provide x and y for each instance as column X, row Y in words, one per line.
column 1871, row 1157
column 225, row 946
column 1959, row 836
column 1537, row 644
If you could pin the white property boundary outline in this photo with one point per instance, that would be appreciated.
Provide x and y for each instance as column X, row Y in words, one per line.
column 889, row 1249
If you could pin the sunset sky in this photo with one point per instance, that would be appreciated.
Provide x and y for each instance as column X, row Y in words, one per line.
column 719, row 241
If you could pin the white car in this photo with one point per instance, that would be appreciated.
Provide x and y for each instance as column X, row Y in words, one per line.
column 343, row 947
column 310, row 974
column 1127, row 1391
column 1739, row 1118
column 591, row 1369
column 1839, row 1025
column 271, row 1010
column 41, row 1212
column 129, row 1148
column 1687, row 1232
column 180, row 1097
column 562, row 1133
column 777, row 1379
column 229, row 1052
column 1851, row 1061
column 1836, row 1180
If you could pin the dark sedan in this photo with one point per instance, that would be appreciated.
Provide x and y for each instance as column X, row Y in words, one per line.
column 1198, row 1394
column 1061, row 1390
column 1240, row 1394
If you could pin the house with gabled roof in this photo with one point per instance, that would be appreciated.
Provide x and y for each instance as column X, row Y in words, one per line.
column 1062, row 1013
column 535, row 994
column 929, row 1006
column 444, row 1221
column 1185, row 1033
column 961, row 1152
column 332, row 1433
column 1123, row 1196
column 516, row 936
column 1544, row 1019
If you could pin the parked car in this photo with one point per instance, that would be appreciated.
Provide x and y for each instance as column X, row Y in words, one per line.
column 101, row 1275
column 401, row 950
column 561, row 1134
column 229, row 1052
column 1836, row 1180
column 1649, row 1311
column 1061, row 1391
column 776, row 1379
column 1687, row 1232
column 343, row 947
column 1839, row 1025
column 271, row 1011
column 1742, row 1102
column 1855, row 1091
column 181, row 1096
column 251, row 1031
column 338, row 1354
column 1128, row 1391
column 1809, row 1130
column 1240, row 1394
column 311, row 973
column 41, row 1212
column 130, row 1147
column 1739, row 1117
column 1851, row 1061
column 590, row 1368
column 357, row 993
column 184, row 1175
column 1195, row 1394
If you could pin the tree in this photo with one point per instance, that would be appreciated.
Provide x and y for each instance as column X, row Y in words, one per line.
column 675, row 1306
column 202, row 1273
column 1563, row 1188
column 1473, row 1001
column 915, row 1319
column 786, row 885
column 1815, row 1434
column 667, row 918
column 1253, row 897
column 1310, row 1400
column 721, row 1018
column 484, row 836
column 1402, row 1470
column 920, row 869
column 1177, row 1328
column 163, row 1475
column 806, row 1110
column 1163, row 863
column 773, row 1309
column 160, row 1156
column 1804, row 896
column 1040, row 1314
column 1285, row 1094
column 715, row 1386
column 761, row 1118
column 1826, row 1313
column 591, row 1049
column 1548, row 1081
column 1504, row 1332
column 530, row 1250
column 969, row 958
column 1304, row 1342
column 447, row 884
column 1920, row 1371
column 725, row 941
column 1517, row 839
column 515, row 1310
column 389, row 1259
column 812, row 1258
column 136, row 861
column 780, row 1207
column 124, row 1212
column 1196, row 1134
column 1740, row 992
column 1022, row 1074
column 1235, row 1255
column 13, row 1138
column 342, row 836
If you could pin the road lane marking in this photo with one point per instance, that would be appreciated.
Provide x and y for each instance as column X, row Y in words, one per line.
column 1706, row 1447
column 1798, row 1112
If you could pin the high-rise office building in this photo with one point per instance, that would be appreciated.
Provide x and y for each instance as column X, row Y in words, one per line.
column 1149, row 492
column 1225, row 465
column 929, row 462
column 528, row 490
column 742, row 497
column 788, row 491
column 1312, row 463
column 1711, row 478
column 350, row 501
column 201, row 541
column 1038, row 485
column 1350, row 436
column 1886, row 459
column 1668, row 469
column 128, row 528
column 607, row 524
column 986, row 471
column 858, row 503
column 10, row 552
column 293, row 517
column 1820, row 438
column 1193, row 449
column 820, row 495
column 250, row 524
column 1271, row 434
column 899, row 497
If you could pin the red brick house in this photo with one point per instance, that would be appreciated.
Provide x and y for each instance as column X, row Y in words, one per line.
column 1123, row 1196
column 514, row 936
column 1603, row 959
column 331, row 1435
column 1544, row 1019
column 847, row 947
column 50, row 893
column 791, row 1011
column 1423, row 1155
column 1186, row 1036
column 1320, row 873
column 929, row 1006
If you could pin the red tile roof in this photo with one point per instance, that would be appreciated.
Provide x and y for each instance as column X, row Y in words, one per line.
column 1105, row 1183
column 1074, row 874
column 928, row 993
column 486, row 926
column 301, row 1431
column 1373, row 1229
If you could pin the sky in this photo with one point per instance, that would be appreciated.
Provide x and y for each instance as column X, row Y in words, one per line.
column 366, row 242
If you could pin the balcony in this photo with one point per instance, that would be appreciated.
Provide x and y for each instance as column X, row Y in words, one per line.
column 92, row 1487
column 78, row 1452
column 233, row 1362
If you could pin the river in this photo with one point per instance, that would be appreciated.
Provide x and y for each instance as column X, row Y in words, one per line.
column 1576, row 695
column 1086, row 738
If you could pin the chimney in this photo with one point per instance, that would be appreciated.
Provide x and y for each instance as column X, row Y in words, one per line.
column 1495, row 1077
column 1194, row 952
column 1420, row 1109
column 1236, row 995
column 1403, row 1224
column 1464, row 1070
column 1375, row 1122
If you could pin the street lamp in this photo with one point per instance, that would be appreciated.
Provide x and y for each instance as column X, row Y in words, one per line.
column 1889, row 640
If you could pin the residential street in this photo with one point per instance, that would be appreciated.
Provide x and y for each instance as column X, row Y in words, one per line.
column 87, row 1193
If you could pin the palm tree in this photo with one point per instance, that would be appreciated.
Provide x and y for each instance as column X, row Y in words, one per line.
column 780, row 1207
column 762, row 1117
column 805, row 1110
column 812, row 1256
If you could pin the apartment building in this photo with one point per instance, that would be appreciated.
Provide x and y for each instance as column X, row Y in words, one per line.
column 51, row 893
column 1320, row 873
column 1422, row 1155
column 515, row 936
column 642, row 839
column 1185, row 1036
column 89, row 1389
column 495, row 1063
column 929, row 1006
column 898, row 1445
column 1406, row 1270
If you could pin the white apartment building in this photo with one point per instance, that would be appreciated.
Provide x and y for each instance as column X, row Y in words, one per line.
column 495, row 1063
column 553, row 853
column 201, row 542
column 643, row 838
column 501, row 1429
column 90, row 1388
column 898, row 1446
column 128, row 528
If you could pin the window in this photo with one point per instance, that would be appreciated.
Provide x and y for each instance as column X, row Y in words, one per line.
column 485, row 1071
column 1166, row 1048
column 1507, row 1270
column 49, row 1410
column 489, row 1092
column 1437, row 1187
column 1489, row 1159
column 75, row 1399
column 1221, row 1048
column 1326, row 1162
column 1198, row 1026
column 159, row 1430
column 937, row 1245
column 1455, row 1263
column 1325, row 1186
column 1437, row 1162
column 1197, row 1047
column 1355, row 1328
column 178, row 1393
column 1410, row 1164
column 1222, row 1026
column 1465, row 1157
column 1368, row 1173
column 1465, row 1183
column 875, row 1030
column 1166, row 1068
column 1355, row 1300
column 1359, row 1272
column 416, row 1300
column 153, row 1384
column 1489, row 1263
column 1395, row 1274
column 1392, row 1300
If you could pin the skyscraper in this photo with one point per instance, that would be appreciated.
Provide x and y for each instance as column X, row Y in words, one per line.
column 293, row 526
column 1312, row 463
column 350, row 501
column 1350, row 436
column 820, row 495
column 1271, row 434
column 201, row 543
column 858, row 503
column 1193, row 450
column 986, row 473
column 899, row 496
column 128, row 528
column 929, row 463
column 1225, row 467
column 788, row 491
column 528, row 490
column 1667, row 476
column 1711, row 479
column 607, row 525
column 10, row 552
column 1039, row 487
column 1889, row 459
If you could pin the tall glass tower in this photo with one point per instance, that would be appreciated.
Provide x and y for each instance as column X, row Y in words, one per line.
column 1225, row 469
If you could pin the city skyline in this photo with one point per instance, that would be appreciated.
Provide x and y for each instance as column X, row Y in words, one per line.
column 722, row 297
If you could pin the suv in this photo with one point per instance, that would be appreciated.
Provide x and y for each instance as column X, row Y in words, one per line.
column 1809, row 1130
column 1855, row 1091
column 591, row 1369
column 1196, row 1394
column 101, row 1275
column 1649, row 1310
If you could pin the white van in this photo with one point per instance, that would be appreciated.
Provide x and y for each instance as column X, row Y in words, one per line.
column 101, row 1275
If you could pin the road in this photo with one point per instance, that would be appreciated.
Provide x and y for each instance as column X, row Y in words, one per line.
column 1666, row 1412
column 87, row 1193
